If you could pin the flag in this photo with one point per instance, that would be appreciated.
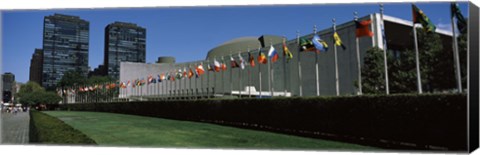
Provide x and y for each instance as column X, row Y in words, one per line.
column 420, row 17
column 200, row 69
column 142, row 82
column 233, row 63
column 251, row 59
column 196, row 73
column 320, row 45
column 159, row 78
column 261, row 57
column 272, row 54
column 363, row 29
column 224, row 67
column 162, row 77
column 184, row 72
column 306, row 45
column 242, row 62
column 338, row 41
column 128, row 83
column 216, row 65
column 461, row 22
column 179, row 74
column 190, row 73
column 288, row 55
column 209, row 67
column 150, row 79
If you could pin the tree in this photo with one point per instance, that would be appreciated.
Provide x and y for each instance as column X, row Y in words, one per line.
column 29, row 87
column 373, row 74
column 72, row 78
column 32, row 93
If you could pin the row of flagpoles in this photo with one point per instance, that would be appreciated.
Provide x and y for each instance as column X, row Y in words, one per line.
column 316, row 44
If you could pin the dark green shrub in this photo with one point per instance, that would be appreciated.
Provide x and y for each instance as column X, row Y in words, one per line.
column 46, row 129
column 427, row 121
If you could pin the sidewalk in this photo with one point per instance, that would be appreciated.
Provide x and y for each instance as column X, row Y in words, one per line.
column 14, row 128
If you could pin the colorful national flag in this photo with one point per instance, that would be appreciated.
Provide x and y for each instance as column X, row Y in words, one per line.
column 261, row 58
column 420, row 17
column 128, row 83
column 461, row 22
column 288, row 55
column 196, row 73
column 242, row 62
column 338, row 41
column 272, row 54
column 209, row 67
column 320, row 45
column 162, row 77
column 150, row 79
column 363, row 28
column 233, row 63
column 251, row 59
column 216, row 65
column 184, row 72
column 190, row 73
column 200, row 69
column 159, row 79
column 179, row 74
column 306, row 45
column 224, row 67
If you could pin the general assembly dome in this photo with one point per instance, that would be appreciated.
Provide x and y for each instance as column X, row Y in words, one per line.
column 240, row 45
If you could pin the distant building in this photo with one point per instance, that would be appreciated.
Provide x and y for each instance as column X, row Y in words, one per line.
column 99, row 71
column 65, row 47
column 397, row 32
column 36, row 66
column 124, row 42
column 8, row 80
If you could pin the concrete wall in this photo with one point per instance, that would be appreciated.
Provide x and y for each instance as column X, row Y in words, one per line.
column 284, row 79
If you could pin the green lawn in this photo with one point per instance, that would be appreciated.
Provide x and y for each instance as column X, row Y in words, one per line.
column 108, row 129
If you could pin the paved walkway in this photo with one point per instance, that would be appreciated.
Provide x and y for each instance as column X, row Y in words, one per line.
column 14, row 128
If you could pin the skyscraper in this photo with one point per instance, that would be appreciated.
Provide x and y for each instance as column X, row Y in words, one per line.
column 8, row 80
column 65, row 47
column 123, row 42
column 36, row 64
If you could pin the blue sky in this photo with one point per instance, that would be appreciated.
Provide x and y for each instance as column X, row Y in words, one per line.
column 188, row 33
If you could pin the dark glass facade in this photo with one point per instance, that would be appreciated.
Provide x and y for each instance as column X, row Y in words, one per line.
column 36, row 64
column 8, row 80
column 65, row 47
column 124, row 42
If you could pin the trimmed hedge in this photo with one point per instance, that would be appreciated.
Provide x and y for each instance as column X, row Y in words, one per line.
column 46, row 129
column 431, row 121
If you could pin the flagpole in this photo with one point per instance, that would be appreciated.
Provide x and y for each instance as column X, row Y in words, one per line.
column 190, row 79
column 260, row 74
column 359, row 67
column 336, row 61
column 316, row 63
column 284, row 69
column 223, row 75
column 387, row 87
column 456, row 57
column 249, row 73
column 270, row 71
column 208, row 79
column 240, row 75
column 231, row 74
column 419, row 81
column 299, row 67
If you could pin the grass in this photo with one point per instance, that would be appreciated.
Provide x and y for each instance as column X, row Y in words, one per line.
column 46, row 129
column 109, row 129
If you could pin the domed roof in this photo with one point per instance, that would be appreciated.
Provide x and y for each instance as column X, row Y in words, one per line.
column 234, row 46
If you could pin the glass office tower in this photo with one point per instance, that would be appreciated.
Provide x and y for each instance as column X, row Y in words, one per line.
column 65, row 47
column 124, row 42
